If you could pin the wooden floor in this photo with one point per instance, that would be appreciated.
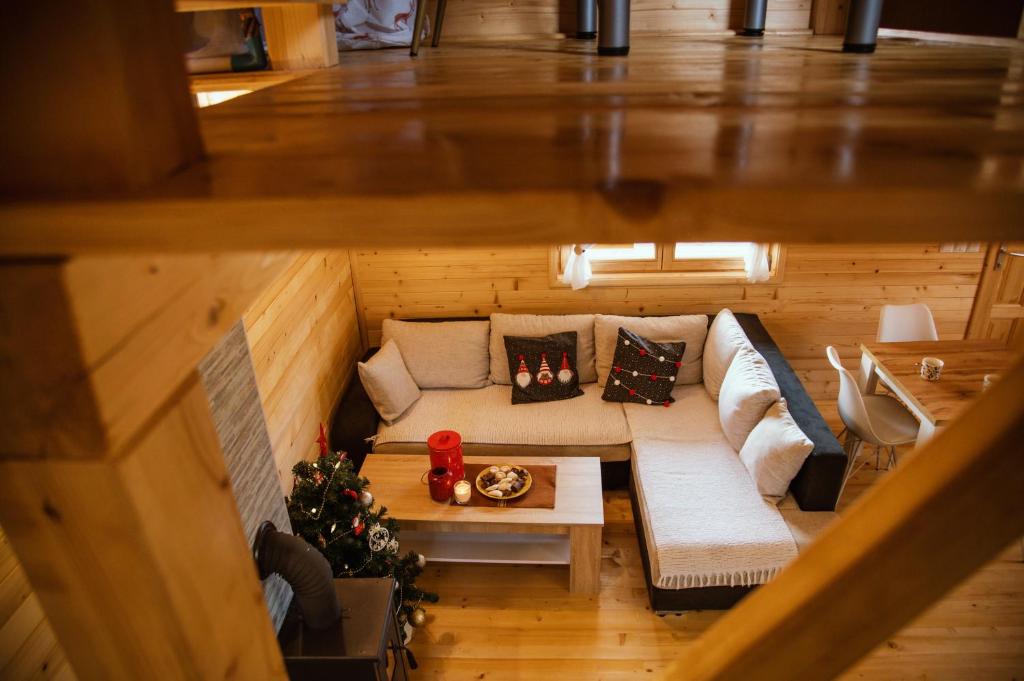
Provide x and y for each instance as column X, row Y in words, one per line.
column 544, row 142
column 499, row 623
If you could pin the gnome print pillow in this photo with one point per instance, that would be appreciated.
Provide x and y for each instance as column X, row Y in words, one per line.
column 643, row 371
column 543, row 369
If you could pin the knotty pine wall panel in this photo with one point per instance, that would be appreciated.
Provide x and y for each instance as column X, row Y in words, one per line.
column 304, row 336
column 28, row 646
column 468, row 19
column 828, row 295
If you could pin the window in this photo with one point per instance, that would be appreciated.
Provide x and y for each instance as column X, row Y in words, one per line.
column 673, row 263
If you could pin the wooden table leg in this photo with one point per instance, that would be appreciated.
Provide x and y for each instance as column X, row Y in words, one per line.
column 585, row 559
column 868, row 377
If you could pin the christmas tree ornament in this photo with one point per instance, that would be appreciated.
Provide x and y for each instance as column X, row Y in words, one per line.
column 421, row 560
column 523, row 377
column 544, row 375
column 322, row 441
column 350, row 493
column 393, row 545
column 378, row 538
column 418, row 617
column 565, row 373
column 365, row 498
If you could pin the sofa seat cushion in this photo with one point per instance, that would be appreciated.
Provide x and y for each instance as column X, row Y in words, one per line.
column 693, row 417
column 487, row 416
column 704, row 522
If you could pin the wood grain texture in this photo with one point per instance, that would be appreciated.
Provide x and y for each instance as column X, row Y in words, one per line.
column 966, row 364
column 157, row 579
column 470, row 19
column 121, row 124
column 974, row 634
column 304, row 338
column 828, row 295
column 541, row 142
column 828, row 17
column 300, row 36
column 28, row 646
column 950, row 507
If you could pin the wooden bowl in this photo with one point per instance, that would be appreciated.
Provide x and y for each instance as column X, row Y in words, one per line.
column 481, row 487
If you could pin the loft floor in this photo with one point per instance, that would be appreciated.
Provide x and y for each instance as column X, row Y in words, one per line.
column 504, row 623
column 542, row 141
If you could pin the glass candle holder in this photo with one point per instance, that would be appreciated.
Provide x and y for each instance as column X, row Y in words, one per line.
column 462, row 491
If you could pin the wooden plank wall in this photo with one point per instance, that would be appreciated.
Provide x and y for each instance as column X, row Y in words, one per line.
column 827, row 294
column 494, row 18
column 28, row 646
column 304, row 337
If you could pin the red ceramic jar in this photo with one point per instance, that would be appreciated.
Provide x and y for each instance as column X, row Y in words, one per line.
column 446, row 452
column 441, row 482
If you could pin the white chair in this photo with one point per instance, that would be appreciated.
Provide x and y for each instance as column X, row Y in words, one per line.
column 879, row 420
column 899, row 323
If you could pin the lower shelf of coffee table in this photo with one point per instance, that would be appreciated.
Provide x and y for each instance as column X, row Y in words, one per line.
column 478, row 547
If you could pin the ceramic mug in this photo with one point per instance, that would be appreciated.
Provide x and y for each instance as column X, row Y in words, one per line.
column 931, row 368
column 441, row 482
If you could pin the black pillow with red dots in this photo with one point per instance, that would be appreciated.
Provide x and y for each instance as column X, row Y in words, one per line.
column 643, row 371
column 543, row 369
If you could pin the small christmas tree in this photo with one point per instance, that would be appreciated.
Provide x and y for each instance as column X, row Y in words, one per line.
column 331, row 509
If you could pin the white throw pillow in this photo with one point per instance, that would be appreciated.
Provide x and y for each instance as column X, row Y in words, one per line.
column 774, row 452
column 748, row 390
column 725, row 338
column 443, row 354
column 691, row 329
column 388, row 382
column 538, row 326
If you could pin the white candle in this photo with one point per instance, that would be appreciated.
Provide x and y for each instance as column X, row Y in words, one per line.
column 462, row 492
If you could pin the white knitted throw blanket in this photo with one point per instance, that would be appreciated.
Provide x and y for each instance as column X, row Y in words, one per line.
column 704, row 521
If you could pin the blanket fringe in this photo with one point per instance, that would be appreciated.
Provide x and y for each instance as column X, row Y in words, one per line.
column 740, row 578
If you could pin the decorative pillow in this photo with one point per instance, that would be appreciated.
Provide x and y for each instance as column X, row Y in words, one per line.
column 534, row 326
column 544, row 369
column 725, row 338
column 442, row 354
column 643, row 371
column 388, row 382
column 690, row 329
column 748, row 390
column 774, row 452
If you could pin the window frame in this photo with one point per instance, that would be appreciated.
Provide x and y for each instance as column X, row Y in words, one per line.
column 666, row 270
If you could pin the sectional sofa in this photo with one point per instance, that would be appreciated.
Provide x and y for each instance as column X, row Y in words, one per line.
column 707, row 533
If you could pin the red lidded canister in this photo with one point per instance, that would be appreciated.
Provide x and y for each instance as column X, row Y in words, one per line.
column 446, row 451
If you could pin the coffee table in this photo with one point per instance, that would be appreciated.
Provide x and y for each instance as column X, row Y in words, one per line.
column 568, row 534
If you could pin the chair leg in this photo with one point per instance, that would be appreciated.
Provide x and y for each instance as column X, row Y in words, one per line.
column 613, row 28
column 417, row 30
column 753, row 20
column 586, row 19
column 892, row 457
column 862, row 26
column 852, row 446
column 442, row 5
column 878, row 451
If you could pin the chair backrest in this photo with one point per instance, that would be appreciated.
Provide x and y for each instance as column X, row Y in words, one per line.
column 912, row 322
column 851, row 401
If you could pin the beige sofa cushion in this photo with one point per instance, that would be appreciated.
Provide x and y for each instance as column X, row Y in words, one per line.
column 488, row 416
column 388, row 382
column 748, row 390
column 692, row 329
column 536, row 326
column 442, row 354
column 725, row 338
column 774, row 452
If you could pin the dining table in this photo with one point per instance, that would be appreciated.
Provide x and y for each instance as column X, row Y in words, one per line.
column 934, row 403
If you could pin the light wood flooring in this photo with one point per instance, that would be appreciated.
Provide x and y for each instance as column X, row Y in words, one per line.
column 499, row 623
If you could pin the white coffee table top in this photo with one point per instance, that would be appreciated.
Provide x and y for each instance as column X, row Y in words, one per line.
column 395, row 480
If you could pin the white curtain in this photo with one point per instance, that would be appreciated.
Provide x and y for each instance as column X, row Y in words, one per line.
column 755, row 262
column 577, row 268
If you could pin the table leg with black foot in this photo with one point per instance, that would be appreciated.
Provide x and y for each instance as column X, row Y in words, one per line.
column 613, row 28
column 862, row 26
column 586, row 19
column 753, row 19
